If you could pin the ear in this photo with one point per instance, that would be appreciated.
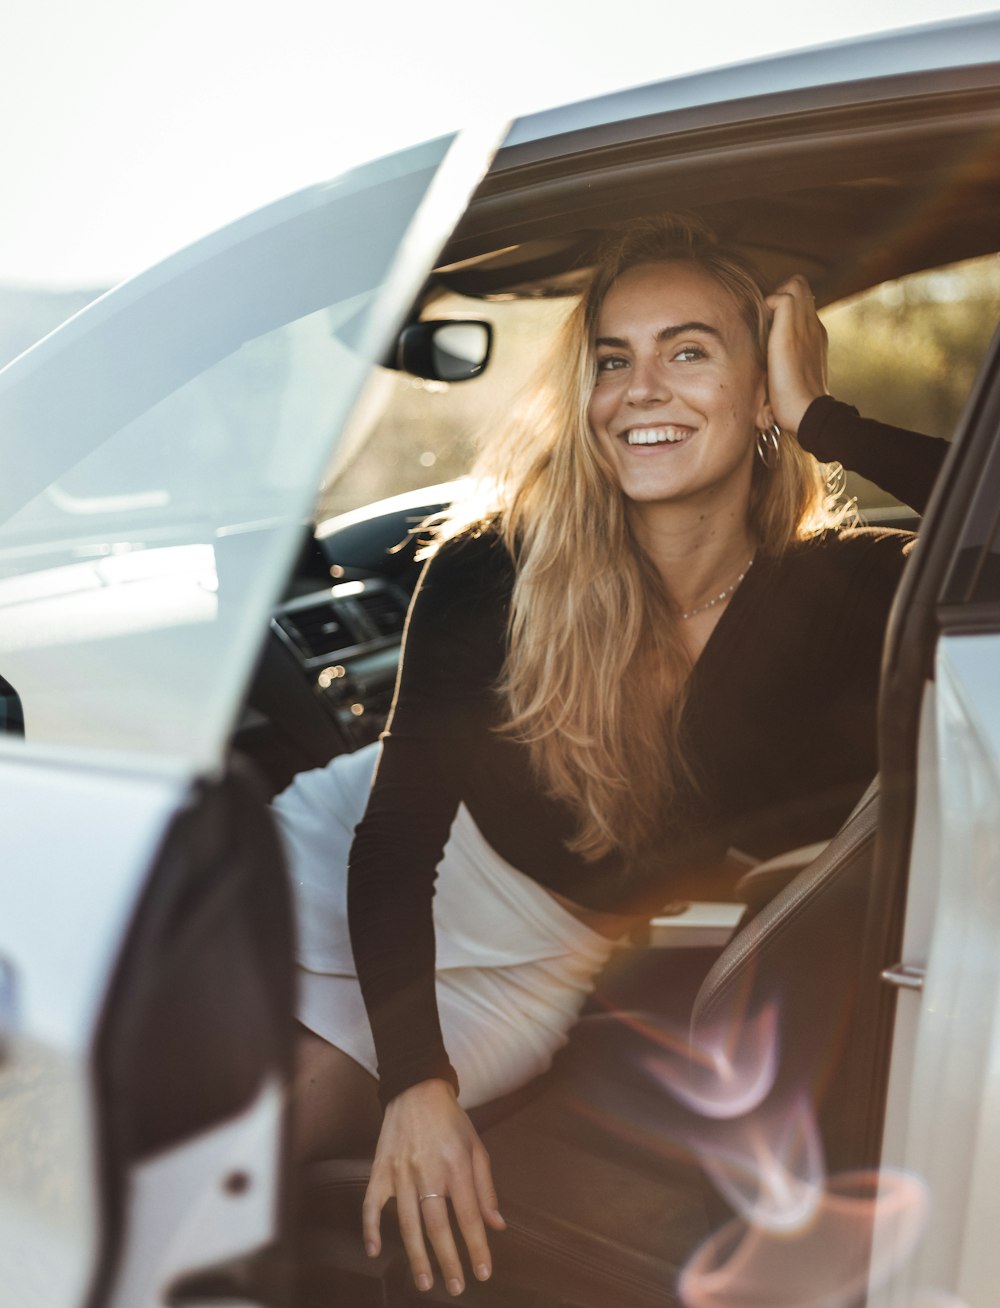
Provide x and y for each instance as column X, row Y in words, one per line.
column 764, row 416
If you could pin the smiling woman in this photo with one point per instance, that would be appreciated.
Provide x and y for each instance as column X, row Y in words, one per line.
column 594, row 647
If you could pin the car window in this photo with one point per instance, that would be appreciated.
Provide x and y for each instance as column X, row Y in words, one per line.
column 407, row 433
column 905, row 352
column 161, row 456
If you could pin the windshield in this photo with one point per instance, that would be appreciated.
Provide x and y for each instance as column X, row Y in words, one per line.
column 161, row 455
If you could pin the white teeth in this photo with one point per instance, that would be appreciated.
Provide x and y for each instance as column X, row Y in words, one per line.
column 656, row 435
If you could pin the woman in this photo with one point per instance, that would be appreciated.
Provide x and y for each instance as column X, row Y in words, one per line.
column 653, row 645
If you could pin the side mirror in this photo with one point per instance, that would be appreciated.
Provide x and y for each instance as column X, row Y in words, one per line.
column 447, row 350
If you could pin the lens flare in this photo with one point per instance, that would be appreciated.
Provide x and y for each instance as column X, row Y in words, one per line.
column 770, row 1171
column 728, row 1072
column 865, row 1226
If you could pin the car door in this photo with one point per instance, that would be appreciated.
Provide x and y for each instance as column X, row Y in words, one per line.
column 161, row 453
column 936, row 928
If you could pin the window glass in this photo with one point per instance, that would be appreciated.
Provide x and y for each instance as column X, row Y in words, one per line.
column 161, row 456
column 408, row 433
column 907, row 352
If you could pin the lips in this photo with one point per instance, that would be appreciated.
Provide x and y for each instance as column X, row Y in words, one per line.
column 666, row 435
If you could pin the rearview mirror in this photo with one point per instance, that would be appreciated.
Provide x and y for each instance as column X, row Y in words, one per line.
column 443, row 349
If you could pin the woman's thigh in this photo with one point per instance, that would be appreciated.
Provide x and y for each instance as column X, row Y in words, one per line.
column 335, row 1107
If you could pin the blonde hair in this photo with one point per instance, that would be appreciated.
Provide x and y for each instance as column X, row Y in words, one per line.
column 596, row 670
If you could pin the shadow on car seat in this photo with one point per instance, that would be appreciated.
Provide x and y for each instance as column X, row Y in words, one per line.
column 603, row 1165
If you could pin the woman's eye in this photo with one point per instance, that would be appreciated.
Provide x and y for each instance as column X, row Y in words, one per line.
column 688, row 353
column 611, row 363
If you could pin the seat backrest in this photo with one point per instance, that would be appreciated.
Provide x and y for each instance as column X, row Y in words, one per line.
column 801, row 954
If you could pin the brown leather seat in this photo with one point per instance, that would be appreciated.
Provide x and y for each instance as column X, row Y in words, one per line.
column 600, row 1167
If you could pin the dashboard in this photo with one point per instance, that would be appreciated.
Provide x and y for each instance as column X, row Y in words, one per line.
column 327, row 669
column 345, row 640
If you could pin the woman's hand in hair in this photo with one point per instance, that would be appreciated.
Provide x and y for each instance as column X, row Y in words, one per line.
column 796, row 353
column 428, row 1146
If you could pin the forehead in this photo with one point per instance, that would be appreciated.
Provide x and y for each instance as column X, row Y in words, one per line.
column 651, row 296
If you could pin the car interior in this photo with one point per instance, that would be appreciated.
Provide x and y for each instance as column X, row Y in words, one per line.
column 612, row 1172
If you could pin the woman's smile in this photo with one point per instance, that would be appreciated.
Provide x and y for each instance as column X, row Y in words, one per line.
column 646, row 437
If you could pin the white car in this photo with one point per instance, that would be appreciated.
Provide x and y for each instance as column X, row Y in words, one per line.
column 161, row 623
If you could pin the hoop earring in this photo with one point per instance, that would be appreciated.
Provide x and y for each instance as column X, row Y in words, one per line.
column 769, row 447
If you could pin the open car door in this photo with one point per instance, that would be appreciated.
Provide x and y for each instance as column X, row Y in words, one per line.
column 932, row 953
column 161, row 454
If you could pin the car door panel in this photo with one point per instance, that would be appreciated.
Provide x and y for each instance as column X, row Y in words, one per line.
column 67, row 903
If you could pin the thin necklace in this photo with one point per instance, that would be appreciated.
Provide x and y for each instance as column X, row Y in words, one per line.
column 722, row 595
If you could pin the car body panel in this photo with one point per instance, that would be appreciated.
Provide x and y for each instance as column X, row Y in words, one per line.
column 178, row 1222
column 828, row 73
column 943, row 1123
column 66, row 908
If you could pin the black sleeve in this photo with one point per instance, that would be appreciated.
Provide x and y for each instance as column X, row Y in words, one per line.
column 904, row 463
column 452, row 653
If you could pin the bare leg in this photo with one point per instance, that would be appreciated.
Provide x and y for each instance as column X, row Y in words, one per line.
column 335, row 1108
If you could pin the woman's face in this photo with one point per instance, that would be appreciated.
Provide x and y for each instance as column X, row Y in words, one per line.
column 679, row 393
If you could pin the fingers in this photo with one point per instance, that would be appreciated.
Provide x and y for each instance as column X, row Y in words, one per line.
column 371, row 1217
column 409, row 1211
column 473, row 1200
column 794, row 289
column 482, row 1175
column 436, row 1220
column 796, row 352
column 465, row 1202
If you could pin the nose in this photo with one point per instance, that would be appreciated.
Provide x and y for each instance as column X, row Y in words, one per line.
column 647, row 383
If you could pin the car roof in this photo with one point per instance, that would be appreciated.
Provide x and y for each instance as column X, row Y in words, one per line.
column 852, row 163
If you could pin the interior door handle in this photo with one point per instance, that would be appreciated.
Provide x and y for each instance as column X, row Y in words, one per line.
column 905, row 976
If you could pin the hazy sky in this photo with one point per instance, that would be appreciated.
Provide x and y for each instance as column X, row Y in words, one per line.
column 131, row 128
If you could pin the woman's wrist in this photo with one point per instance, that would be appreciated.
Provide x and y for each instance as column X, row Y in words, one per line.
column 799, row 411
column 821, row 430
column 431, row 1088
column 433, row 1069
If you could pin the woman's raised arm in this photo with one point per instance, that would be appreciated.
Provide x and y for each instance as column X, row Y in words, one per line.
column 904, row 463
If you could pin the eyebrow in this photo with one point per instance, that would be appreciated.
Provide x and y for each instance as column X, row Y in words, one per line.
column 665, row 334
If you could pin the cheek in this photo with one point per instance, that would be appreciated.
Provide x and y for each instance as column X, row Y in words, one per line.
column 600, row 408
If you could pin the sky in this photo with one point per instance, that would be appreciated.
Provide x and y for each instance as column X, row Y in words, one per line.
column 133, row 128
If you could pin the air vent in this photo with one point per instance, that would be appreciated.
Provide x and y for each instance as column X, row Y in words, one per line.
column 317, row 629
column 384, row 611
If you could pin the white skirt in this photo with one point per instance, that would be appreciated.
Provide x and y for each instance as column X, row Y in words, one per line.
column 513, row 966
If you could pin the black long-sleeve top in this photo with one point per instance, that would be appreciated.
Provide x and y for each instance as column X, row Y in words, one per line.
column 779, row 727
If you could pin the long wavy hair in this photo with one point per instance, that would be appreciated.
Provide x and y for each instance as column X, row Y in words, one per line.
column 595, row 677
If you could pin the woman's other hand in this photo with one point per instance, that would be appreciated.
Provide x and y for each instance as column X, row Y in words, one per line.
column 796, row 353
column 428, row 1147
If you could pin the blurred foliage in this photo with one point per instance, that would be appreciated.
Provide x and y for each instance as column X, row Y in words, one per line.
column 906, row 352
